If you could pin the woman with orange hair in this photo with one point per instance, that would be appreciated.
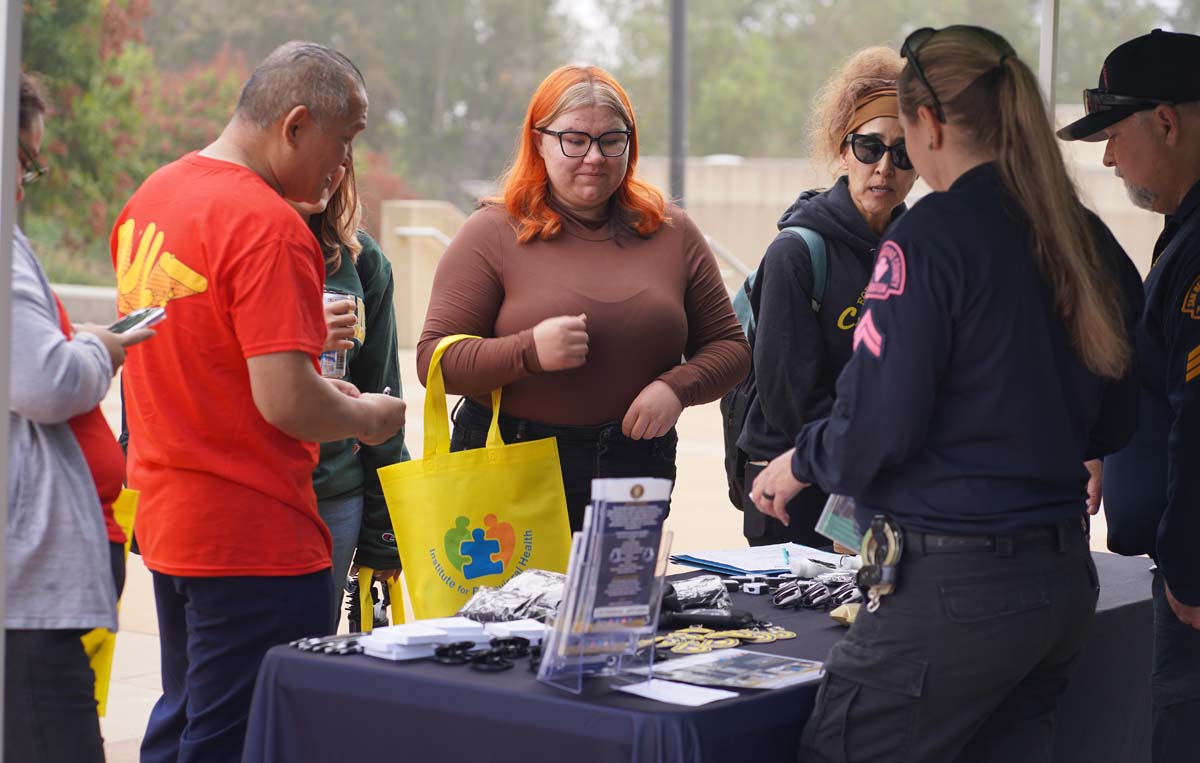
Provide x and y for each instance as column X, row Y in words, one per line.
column 588, row 290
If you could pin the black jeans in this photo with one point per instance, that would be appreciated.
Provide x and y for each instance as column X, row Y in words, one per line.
column 1175, row 683
column 49, row 698
column 585, row 453
column 966, row 661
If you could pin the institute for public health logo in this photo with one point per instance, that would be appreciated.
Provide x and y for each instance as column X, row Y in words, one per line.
column 480, row 551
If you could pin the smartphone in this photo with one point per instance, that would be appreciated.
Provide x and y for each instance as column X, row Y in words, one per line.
column 138, row 319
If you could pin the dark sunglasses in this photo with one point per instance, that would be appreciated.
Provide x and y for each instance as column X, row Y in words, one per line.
column 908, row 50
column 869, row 149
column 32, row 169
column 1096, row 99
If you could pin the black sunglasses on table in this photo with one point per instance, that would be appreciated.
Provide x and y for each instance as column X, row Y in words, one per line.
column 869, row 149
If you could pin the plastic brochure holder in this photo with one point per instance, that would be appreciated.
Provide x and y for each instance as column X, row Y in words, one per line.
column 614, row 586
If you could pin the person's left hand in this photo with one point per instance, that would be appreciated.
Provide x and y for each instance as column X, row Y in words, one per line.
column 1189, row 616
column 653, row 412
column 1095, row 483
column 775, row 486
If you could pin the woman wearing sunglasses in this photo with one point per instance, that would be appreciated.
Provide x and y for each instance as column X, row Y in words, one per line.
column 992, row 358
column 800, row 347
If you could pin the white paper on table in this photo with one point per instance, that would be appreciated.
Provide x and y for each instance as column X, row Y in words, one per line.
column 758, row 558
column 677, row 693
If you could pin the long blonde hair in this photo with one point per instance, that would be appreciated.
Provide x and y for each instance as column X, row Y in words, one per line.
column 993, row 98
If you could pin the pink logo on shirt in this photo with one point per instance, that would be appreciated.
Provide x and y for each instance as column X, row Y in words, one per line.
column 890, row 273
column 866, row 333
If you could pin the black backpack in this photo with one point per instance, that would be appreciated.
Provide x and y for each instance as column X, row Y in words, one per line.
column 735, row 405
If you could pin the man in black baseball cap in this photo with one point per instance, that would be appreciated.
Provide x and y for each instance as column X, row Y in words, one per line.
column 1156, row 68
column 1148, row 109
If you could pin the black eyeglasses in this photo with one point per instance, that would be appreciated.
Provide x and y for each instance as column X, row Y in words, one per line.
column 575, row 144
column 869, row 149
column 908, row 50
column 1096, row 99
column 33, row 170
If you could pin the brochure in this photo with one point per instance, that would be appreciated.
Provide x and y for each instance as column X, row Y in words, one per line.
column 740, row 669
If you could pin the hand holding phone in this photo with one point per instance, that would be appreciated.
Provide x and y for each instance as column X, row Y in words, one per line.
column 138, row 319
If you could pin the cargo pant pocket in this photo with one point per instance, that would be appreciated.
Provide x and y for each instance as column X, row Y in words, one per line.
column 866, row 707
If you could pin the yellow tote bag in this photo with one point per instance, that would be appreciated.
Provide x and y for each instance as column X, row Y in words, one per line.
column 99, row 643
column 476, row 517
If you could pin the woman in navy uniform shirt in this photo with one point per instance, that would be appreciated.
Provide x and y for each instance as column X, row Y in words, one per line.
column 993, row 358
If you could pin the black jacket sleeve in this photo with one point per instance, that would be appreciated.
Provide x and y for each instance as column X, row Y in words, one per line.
column 789, row 349
column 902, row 342
column 1180, row 525
column 1119, row 408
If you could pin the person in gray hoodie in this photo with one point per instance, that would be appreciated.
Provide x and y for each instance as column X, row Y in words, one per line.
column 799, row 349
column 58, row 584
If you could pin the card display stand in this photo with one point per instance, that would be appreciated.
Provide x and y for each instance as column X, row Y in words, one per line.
column 614, row 586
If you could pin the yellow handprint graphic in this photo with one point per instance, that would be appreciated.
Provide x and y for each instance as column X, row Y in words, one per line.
column 152, row 276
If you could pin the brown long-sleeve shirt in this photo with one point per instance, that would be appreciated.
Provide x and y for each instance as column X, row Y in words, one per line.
column 650, row 303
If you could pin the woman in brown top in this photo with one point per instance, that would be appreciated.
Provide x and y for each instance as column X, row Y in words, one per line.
column 589, row 291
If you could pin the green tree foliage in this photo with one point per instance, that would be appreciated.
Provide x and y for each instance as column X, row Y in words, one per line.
column 756, row 65
column 448, row 81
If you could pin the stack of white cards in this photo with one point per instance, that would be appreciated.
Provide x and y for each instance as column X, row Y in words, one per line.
column 417, row 640
column 529, row 629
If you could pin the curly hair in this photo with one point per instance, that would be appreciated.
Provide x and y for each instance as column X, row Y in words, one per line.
column 638, row 207
column 868, row 69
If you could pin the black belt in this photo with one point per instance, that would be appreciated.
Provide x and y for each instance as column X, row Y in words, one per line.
column 1059, row 533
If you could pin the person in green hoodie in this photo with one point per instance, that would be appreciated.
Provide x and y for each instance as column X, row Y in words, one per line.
column 349, row 498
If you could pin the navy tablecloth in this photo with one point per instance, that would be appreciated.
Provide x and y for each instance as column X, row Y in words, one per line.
column 319, row 708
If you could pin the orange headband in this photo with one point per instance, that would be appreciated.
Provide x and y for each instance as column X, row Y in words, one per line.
column 877, row 103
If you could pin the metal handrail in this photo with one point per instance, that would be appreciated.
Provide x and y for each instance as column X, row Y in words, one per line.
column 726, row 256
column 422, row 230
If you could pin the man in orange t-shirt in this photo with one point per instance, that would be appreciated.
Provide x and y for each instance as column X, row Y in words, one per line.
column 225, row 409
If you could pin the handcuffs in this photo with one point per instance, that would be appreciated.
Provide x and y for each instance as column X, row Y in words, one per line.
column 882, row 547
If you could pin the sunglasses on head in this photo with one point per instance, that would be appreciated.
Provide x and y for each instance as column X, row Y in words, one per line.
column 914, row 42
column 1095, row 99
column 869, row 149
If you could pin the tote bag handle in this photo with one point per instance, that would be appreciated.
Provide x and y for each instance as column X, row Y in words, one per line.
column 437, row 417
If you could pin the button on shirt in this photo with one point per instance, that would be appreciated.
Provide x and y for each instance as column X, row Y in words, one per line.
column 964, row 408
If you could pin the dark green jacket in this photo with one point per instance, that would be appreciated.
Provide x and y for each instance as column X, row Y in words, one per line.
column 342, row 471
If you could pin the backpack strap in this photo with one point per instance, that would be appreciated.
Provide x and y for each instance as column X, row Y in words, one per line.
column 816, row 254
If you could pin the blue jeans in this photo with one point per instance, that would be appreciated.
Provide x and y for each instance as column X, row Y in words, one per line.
column 213, row 633
column 1175, row 683
column 49, row 699
column 343, row 517
column 585, row 453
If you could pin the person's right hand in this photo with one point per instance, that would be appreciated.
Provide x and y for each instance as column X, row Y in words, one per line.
column 1095, row 485
column 384, row 417
column 340, row 321
column 561, row 342
column 114, row 343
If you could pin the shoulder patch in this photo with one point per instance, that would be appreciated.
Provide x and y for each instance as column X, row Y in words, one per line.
column 890, row 274
column 1193, row 365
column 1191, row 300
column 866, row 333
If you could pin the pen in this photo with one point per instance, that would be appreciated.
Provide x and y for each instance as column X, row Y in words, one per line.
column 787, row 558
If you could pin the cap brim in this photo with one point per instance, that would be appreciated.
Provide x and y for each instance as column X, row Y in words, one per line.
column 1088, row 128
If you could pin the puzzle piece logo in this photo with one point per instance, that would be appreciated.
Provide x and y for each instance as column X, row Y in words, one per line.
column 477, row 552
column 151, row 276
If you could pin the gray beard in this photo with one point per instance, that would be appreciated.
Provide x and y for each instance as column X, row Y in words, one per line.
column 1142, row 198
